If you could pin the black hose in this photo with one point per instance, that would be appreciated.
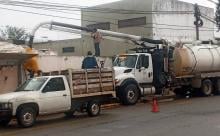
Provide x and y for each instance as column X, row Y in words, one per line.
column 153, row 41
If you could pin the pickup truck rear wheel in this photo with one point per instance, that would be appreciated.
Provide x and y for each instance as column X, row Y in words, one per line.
column 130, row 94
column 93, row 108
column 207, row 87
column 5, row 122
column 26, row 116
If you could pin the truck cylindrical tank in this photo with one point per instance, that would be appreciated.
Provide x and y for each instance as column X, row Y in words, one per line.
column 194, row 59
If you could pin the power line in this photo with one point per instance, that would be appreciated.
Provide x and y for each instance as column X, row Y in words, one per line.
column 83, row 20
column 100, row 10
column 103, row 17
column 96, row 16
column 213, row 1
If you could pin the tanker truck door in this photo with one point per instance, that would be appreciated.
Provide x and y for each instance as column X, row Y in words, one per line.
column 143, row 72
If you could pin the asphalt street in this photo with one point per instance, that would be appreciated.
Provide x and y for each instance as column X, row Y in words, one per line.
column 185, row 117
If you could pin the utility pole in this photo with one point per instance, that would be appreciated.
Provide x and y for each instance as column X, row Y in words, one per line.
column 198, row 21
column 217, row 15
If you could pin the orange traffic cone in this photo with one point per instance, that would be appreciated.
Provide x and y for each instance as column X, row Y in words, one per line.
column 155, row 107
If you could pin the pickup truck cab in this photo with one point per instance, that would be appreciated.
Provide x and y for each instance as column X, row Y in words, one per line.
column 53, row 94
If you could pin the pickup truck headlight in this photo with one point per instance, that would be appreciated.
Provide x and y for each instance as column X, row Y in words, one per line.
column 4, row 106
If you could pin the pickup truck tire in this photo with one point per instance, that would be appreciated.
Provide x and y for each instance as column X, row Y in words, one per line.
column 5, row 122
column 130, row 94
column 26, row 116
column 93, row 108
column 207, row 87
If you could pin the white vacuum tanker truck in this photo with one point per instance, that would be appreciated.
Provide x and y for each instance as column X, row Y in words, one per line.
column 157, row 66
column 178, row 67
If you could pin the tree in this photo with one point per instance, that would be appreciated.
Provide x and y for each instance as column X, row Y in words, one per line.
column 13, row 33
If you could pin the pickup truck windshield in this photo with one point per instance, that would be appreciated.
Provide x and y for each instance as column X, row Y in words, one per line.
column 33, row 84
column 125, row 61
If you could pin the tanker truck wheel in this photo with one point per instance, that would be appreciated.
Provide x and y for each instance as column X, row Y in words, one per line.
column 207, row 87
column 5, row 122
column 217, row 87
column 130, row 94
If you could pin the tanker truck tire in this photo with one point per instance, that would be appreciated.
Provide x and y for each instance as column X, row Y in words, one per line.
column 5, row 122
column 217, row 87
column 206, row 88
column 129, row 94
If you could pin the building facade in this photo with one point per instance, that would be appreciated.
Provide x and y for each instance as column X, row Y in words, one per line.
column 156, row 19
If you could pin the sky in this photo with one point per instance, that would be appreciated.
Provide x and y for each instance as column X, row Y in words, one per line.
column 28, row 21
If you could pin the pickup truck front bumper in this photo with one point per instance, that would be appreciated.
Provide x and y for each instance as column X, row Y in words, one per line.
column 5, row 114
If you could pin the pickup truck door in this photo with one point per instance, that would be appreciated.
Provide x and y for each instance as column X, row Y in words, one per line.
column 55, row 96
column 143, row 71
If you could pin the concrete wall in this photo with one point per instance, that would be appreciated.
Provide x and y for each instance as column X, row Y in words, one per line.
column 109, row 47
column 167, row 26
column 57, row 46
column 180, row 26
column 58, row 63
column 8, row 79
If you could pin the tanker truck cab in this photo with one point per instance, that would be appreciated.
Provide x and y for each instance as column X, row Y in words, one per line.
column 134, row 76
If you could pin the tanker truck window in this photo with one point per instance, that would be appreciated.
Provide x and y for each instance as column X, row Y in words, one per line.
column 143, row 61
column 126, row 61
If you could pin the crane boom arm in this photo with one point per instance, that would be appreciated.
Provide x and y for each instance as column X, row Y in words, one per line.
column 117, row 35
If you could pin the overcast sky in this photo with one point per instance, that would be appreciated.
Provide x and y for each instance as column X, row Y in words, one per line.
column 28, row 21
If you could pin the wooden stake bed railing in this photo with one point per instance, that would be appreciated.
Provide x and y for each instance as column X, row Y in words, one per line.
column 90, row 82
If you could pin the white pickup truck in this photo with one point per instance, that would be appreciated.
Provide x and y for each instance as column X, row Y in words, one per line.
column 58, row 92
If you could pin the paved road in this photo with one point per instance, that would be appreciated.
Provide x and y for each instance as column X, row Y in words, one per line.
column 188, row 117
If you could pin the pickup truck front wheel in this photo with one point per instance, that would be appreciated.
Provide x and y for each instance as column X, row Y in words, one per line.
column 93, row 108
column 5, row 122
column 26, row 116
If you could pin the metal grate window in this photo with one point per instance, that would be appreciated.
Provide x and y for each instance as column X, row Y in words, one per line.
column 132, row 22
column 104, row 26
column 68, row 49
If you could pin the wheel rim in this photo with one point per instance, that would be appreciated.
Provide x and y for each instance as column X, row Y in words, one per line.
column 28, row 118
column 95, row 109
column 131, row 95
column 207, row 89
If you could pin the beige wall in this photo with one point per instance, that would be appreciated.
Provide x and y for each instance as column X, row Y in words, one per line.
column 180, row 26
column 8, row 79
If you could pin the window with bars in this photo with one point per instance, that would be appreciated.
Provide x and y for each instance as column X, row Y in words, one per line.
column 132, row 22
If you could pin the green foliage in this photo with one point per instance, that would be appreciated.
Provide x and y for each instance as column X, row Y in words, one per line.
column 13, row 33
